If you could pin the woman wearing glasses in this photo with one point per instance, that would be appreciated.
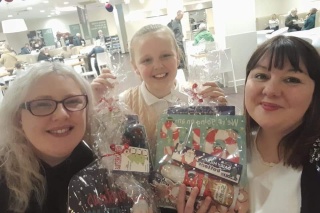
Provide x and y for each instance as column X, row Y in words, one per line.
column 45, row 117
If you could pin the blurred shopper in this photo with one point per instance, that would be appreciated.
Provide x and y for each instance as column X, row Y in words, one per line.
column 203, row 35
column 310, row 22
column 8, row 58
column 26, row 49
column 291, row 21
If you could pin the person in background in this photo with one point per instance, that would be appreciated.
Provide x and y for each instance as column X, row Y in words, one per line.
column 203, row 35
column 18, row 69
column 78, row 40
column 26, row 49
column 101, row 37
column 291, row 19
column 310, row 22
column 44, row 55
column 178, row 34
column 8, row 58
column 38, row 44
column 44, row 138
column 273, row 23
column 93, row 53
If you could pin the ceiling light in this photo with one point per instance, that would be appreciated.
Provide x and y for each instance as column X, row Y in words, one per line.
column 9, row 16
column 65, row 2
column 49, row 16
column 42, row 11
column 14, row 25
column 29, row 8
column 46, row 2
column 66, row 9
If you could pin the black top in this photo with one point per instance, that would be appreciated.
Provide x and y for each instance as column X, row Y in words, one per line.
column 57, row 178
column 93, row 189
column 43, row 57
column 310, row 188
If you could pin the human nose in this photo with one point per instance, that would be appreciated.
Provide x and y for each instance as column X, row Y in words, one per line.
column 272, row 88
column 157, row 64
column 60, row 112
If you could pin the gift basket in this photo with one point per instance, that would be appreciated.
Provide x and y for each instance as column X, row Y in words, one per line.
column 201, row 145
column 118, row 180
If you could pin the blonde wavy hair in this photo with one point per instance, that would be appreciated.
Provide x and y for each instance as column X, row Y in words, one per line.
column 19, row 167
column 151, row 28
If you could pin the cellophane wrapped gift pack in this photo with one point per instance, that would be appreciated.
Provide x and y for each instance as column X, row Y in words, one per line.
column 204, row 147
column 117, row 181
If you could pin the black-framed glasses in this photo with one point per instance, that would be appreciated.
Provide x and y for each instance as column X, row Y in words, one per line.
column 44, row 107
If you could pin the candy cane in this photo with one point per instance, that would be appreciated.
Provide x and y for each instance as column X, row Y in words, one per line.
column 209, row 140
column 232, row 146
column 228, row 149
column 169, row 124
column 196, row 139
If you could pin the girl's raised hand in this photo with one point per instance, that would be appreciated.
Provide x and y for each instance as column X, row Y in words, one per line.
column 213, row 92
column 101, row 84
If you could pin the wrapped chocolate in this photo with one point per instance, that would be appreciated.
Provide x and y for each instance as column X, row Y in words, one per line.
column 220, row 191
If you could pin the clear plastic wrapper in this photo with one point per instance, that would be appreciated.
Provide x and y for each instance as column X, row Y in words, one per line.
column 204, row 151
column 211, row 65
column 118, row 180
column 205, row 64
column 202, row 145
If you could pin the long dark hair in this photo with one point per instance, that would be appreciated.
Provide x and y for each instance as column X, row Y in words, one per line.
column 296, row 145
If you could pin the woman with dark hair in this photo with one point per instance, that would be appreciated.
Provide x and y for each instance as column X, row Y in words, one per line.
column 282, row 96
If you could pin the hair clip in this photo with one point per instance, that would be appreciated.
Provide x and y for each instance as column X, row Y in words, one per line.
column 315, row 154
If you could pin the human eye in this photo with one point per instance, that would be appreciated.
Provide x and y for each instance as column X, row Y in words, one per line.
column 146, row 61
column 74, row 102
column 292, row 80
column 37, row 104
column 259, row 73
column 166, row 55
column 261, row 76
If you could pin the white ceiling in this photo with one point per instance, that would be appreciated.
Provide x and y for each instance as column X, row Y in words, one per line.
column 19, row 8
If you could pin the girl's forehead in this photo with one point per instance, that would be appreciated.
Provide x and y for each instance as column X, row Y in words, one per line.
column 155, row 38
column 159, row 34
